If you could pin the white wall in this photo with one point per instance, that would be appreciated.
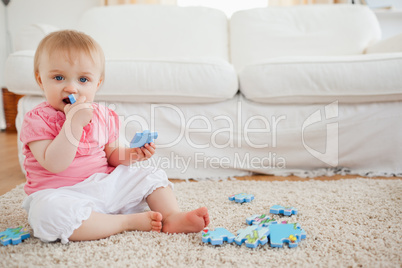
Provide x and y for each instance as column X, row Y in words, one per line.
column 390, row 22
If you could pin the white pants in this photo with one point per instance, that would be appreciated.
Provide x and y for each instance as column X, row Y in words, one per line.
column 55, row 213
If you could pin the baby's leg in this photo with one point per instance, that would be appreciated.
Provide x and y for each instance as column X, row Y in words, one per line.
column 54, row 213
column 164, row 201
column 100, row 225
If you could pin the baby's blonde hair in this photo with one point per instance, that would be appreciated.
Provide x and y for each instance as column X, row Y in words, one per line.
column 71, row 42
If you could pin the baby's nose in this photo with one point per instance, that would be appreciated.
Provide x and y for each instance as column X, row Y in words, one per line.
column 71, row 88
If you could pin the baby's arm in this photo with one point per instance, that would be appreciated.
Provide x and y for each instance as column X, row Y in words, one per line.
column 118, row 155
column 56, row 155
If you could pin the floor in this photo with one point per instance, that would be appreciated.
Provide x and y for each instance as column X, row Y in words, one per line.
column 11, row 174
column 10, row 170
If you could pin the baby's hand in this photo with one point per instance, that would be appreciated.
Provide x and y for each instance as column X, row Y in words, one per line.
column 80, row 113
column 143, row 153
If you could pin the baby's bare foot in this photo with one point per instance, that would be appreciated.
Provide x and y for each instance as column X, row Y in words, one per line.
column 186, row 222
column 146, row 221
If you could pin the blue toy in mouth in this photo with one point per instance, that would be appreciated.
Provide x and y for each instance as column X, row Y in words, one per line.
column 72, row 98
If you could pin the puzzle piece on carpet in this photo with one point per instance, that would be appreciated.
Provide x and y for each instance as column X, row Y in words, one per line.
column 252, row 236
column 262, row 220
column 13, row 236
column 140, row 139
column 241, row 198
column 217, row 236
column 287, row 211
column 286, row 233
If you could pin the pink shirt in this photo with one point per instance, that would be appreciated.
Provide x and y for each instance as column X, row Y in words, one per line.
column 45, row 123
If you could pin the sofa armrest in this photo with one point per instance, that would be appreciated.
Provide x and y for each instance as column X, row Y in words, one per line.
column 30, row 36
column 389, row 45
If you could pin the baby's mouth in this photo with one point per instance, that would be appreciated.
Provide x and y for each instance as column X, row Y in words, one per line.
column 67, row 100
column 70, row 99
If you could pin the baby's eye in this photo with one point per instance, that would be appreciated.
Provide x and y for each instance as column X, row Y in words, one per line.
column 83, row 79
column 58, row 77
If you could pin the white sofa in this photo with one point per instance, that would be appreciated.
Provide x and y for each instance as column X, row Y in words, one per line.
column 281, row 91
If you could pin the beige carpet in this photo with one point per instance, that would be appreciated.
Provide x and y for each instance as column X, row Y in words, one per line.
column 349, row 223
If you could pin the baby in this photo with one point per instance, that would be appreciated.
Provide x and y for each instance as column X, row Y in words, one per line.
column 79, row 183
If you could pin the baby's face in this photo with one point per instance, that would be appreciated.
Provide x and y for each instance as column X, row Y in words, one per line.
column 60, row 75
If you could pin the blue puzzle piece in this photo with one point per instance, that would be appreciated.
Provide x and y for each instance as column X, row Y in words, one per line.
column 217, row 236
column 286, row 233
column 140, row 139
column 303, row 234
column 252, row 236
column 72, row 99
column 241, row 198
column 262, row 220
column 14, row 236
column 287, row 211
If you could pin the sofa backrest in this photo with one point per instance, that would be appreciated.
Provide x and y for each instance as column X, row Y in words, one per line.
column 314, row 30
column 154, row 32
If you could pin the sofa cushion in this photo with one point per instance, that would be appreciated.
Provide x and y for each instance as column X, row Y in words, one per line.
column 177, row 80
column 312, row 30
column 169, row 80
column 30, row 36
column 348, row 79
column 389, row 45
column 155, row 31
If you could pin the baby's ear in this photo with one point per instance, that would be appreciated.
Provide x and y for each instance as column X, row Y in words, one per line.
column 38, row 80
column 99, row 83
